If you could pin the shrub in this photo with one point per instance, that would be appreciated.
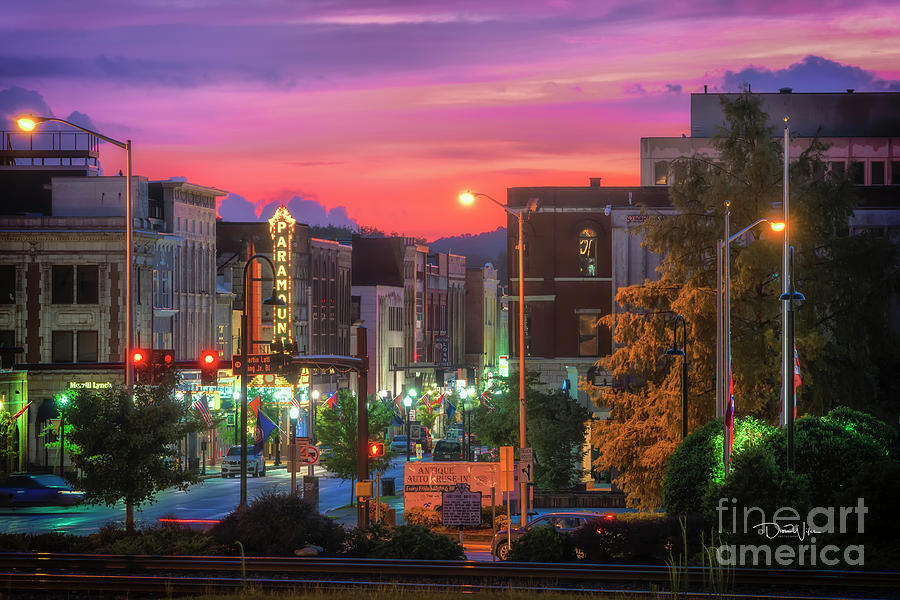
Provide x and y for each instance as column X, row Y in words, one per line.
column 878, row 485
column 866, row 426
column 697, row 462
column 170, row 540
column 362, row 543
column 486, row 514
column 638, row 537
column 275, row 524
column 829, row 454
column 542, row 544
column 417, row 541
column 44, row 542
column 426, row 517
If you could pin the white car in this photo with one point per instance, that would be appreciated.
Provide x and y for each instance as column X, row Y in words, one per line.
column 231, row 463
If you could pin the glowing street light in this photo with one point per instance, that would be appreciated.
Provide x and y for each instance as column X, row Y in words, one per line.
column 724, row 403
column 28, row 123
column 467, row 198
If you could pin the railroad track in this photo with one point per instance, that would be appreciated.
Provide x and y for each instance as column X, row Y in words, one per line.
column 213, row 574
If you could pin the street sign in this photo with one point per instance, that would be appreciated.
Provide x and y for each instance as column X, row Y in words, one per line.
column 526, row 471
column 312, row 456
column 257, row 364
column 526, row 454
column 460, row 506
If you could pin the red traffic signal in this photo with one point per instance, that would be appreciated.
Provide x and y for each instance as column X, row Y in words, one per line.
column 140, row 360
column 376, row 449
column 209, row 368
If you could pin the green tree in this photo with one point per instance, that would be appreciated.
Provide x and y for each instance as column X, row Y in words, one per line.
column 836, row 330
column 7, row 454
column 121, row 443
column 336, row 428
column 555, row 428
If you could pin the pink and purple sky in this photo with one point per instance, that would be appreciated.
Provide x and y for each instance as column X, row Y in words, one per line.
column 379, row 112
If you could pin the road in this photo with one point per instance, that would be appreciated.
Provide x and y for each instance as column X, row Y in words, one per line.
column 212, row 499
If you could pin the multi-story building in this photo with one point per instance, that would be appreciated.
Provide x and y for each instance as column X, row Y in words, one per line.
column 62, row 257
column 483, row 325
column 378, row 297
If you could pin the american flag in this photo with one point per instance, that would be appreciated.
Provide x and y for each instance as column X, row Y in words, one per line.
column 295, row 401
column 203, row 409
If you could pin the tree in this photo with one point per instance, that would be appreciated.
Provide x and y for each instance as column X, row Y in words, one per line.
column 121, row 444
column 336, row 428
column 7, row 433
column 555, row 428
column 835, row 329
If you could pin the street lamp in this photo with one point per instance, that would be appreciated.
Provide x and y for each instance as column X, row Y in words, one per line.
column 674, row 351
column 468, row 198
column 245, row 353
column 28, row 123
column 724, row 405
column 788, row 296
column 407, row 402
column 61, row 401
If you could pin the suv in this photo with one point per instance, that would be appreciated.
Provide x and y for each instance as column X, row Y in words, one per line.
column 564, row 522
column 447, row 450
column 231, row 463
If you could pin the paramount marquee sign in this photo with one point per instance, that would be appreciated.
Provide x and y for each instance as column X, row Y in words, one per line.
column 281, row 228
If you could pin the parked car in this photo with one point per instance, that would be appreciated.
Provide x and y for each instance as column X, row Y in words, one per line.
column 38, row 489
column 231, row 463
column 564, row 522
column 447, row 450
column 398, row 445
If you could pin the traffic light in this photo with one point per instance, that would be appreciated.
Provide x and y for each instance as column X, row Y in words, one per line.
column 209, row 368
column 376, row 449
column 163, row 365
column 142, row 365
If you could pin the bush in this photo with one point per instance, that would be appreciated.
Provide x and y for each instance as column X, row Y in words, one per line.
column 697, row 462
column 172, row 540
column 276, row 524
column 44, row 542
column 866, row 426
column 486, row 515
column 638, row 537
column 878, row 485
column 417, row 541
column 426, row 517
column 829, row 454
column 362, row 543
column 542, row 544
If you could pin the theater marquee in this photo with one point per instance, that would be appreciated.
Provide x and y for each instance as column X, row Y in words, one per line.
column 281, row 228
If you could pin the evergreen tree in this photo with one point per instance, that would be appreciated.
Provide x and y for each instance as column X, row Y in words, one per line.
column 835, row 329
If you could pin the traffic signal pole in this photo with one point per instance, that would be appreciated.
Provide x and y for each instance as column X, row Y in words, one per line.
column 362, row 425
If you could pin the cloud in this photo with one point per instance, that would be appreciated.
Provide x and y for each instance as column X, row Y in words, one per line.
column 812, row 74
column 15, row 101
column 673, row 88
column 237, row 208
column 311, row 212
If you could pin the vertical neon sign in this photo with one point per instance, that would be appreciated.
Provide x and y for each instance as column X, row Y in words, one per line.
column 281, row 228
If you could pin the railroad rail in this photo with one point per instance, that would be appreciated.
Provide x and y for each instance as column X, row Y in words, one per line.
column 21, row 571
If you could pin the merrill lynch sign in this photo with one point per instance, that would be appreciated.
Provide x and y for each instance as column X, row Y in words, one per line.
column 423, row 483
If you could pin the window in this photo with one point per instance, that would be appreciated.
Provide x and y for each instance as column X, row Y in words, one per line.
column 858, row 173
column 395, row 318
column 62, row 350
column 895, row 172
column 87, row 346
column 588, row 338
column 63, row 290
column 88, row 278
column 838, row 169
column 877, row 169
column 587, row 252
column 7, row 284
column 7, row 340
column 661, row 172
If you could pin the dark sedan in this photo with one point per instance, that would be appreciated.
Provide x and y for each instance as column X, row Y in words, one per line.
column 564, row 522
column 38, row 490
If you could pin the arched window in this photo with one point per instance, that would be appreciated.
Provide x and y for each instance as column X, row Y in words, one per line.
column 587, row 252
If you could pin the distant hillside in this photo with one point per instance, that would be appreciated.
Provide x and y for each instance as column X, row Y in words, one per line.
column 489, row 246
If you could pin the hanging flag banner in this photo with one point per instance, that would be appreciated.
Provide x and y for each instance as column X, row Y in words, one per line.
column 201, row 407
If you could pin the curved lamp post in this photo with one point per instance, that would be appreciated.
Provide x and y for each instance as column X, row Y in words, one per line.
column 407, row 402
column 675, row 351
column 724, row 406
column 468, row 198
column 29, row 123
column 245, row 353
column 61, row 402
